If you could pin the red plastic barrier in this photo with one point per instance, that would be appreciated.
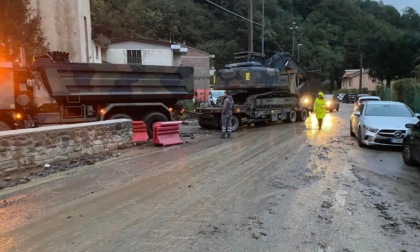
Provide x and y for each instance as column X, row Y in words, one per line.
column 166, row 133
column 139, row 132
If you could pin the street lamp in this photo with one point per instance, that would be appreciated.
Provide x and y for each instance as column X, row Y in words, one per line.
column 299, row 52
column 293, row 28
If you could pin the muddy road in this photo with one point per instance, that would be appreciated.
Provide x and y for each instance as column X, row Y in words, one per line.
column 283, row 187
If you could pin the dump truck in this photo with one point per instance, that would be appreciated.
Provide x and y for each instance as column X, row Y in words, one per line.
column 54, row 91
column 264, row 90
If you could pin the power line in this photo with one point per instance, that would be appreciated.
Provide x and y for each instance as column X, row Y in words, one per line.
column 269, row 34
column 231, row 12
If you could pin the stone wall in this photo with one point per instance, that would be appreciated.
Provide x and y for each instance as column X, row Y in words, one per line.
column 23, row 152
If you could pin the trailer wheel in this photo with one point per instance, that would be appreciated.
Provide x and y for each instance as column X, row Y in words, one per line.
column 291, row 116
column 4, row 126
column 236, row 122
column 303, row 115
column 204, row 126
column 152, row 118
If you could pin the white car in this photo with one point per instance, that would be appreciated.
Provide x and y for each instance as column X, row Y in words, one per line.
column 381, row 123
column 364, row 99
column 340, row 96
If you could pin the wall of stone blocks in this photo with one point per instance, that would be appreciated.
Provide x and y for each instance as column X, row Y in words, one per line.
column 23, row 152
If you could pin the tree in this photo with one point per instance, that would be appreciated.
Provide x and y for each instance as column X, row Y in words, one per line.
column 20, row 27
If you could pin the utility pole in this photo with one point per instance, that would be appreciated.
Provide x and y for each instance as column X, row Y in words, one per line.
column 361, row 73
column 262, row 28
column 250, row 28
column 293, row 28
column 299, row 45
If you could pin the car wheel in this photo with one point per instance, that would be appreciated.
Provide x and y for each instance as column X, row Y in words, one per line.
column 351, row 131
column 331, row 110
column 359, row 138
column 408, row 155
column 338, row 108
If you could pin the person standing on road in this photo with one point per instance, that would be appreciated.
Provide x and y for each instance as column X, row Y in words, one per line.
column 320, row 108
column 227, row 112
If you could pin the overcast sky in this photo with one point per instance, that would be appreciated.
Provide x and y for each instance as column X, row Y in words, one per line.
column 400, row 5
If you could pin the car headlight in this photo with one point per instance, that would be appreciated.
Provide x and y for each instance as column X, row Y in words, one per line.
column 371, row 129
column 306, row 100
column 328, row 103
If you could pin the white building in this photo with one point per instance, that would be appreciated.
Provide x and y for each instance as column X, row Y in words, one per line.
column 142, row 51
column 67, row 26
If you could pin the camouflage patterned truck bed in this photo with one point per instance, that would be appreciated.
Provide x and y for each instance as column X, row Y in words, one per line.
column 107, row 83
column 250, row 75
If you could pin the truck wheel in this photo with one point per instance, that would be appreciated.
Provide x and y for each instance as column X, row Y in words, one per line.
column 4, row 126
column 291, row 116
column 236, row 123
column 152, row 118
column 302, row 115
column 120, row 116
column 204, row 126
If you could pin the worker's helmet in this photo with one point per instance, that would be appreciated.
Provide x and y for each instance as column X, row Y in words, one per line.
column 321, row 94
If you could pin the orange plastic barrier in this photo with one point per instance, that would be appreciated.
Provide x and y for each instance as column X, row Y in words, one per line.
column 139, row 132
column 166, row 133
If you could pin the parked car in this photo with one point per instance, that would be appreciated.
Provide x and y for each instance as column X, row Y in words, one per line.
column 360, row 95
column 365, row 98
column 381, row 122
column 349, row 98
column 332, row 102
column 340, row 96
column 411, row 144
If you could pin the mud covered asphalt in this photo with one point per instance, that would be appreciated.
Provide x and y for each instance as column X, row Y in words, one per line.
column 282, row 187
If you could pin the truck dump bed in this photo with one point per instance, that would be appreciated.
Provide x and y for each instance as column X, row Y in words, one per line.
column 107, row 83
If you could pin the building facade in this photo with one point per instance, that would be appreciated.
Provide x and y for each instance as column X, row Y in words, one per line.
column 351, row 80
column 67, row 26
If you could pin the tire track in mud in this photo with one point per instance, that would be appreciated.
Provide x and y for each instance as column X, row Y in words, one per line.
column 104, row 199
column 205, row 207
column 397, row 221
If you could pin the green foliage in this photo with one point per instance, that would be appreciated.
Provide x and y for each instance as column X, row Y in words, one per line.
column 333, row 33
column 20, row 27
column 408, row 92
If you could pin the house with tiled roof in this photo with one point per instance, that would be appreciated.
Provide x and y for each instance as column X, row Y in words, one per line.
column 351, row 80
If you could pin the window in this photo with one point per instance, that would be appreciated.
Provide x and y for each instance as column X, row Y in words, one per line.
column 134, row 56
column 96, row 52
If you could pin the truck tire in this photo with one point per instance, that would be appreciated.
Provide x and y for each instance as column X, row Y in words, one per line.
column 302, row 115
column 291, row 116
column 4, row 126
column 236, row 122
column 120, row 116
column 204, row 126
column 152, row 118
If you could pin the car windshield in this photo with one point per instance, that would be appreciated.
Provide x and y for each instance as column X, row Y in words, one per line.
column 387, row 110
column 369, row 99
